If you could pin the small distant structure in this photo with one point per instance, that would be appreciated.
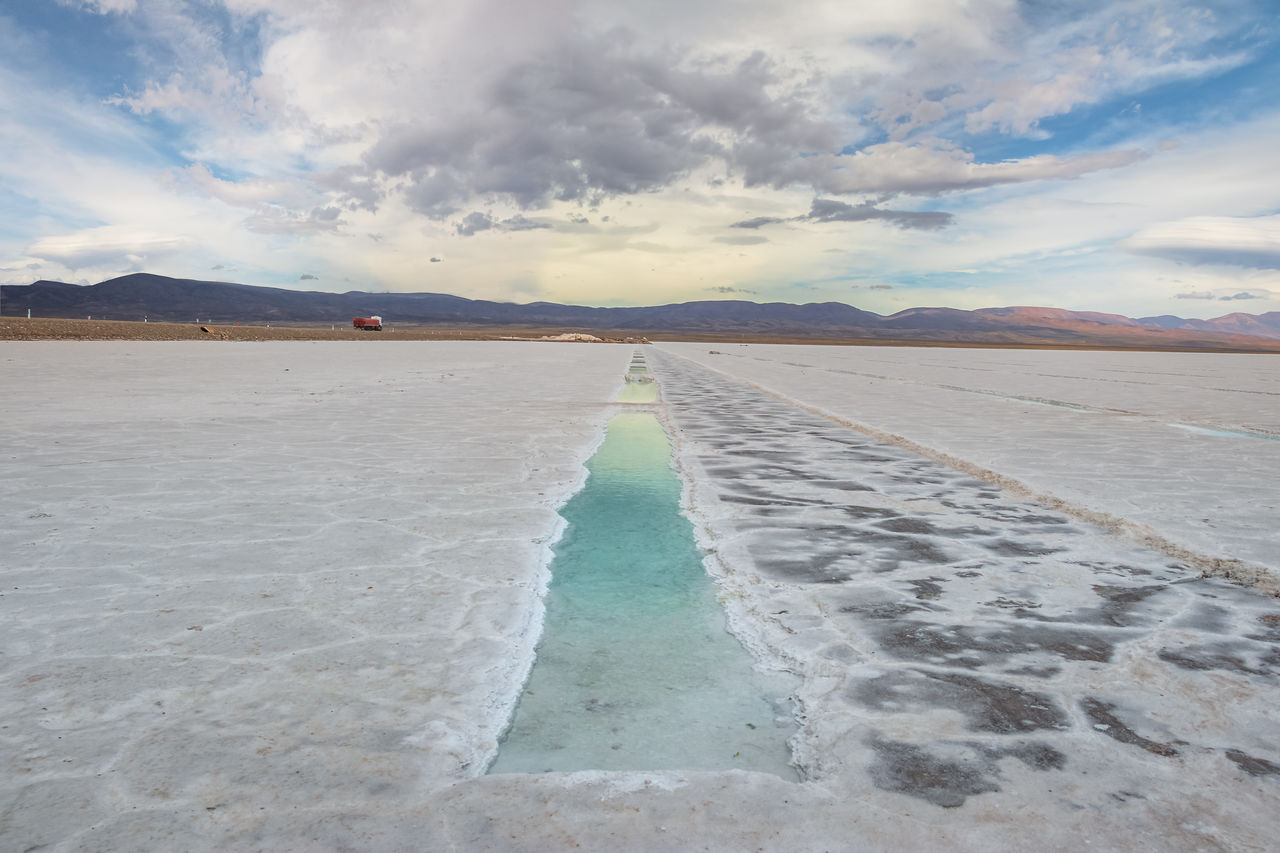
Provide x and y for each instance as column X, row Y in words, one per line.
column 369, row 324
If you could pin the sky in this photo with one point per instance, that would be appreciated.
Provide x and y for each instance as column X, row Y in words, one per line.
column 1117, row 156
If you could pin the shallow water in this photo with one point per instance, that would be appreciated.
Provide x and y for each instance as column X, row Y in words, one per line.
column 638, row 392
column 635, row 669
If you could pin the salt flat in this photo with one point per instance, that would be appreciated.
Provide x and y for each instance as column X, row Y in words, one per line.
column 283, row 596
column 250, row 588
column 1187, row 444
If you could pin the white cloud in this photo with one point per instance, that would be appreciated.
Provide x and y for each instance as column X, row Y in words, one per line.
column 104, row 7
column 252, row 192
column 279, row 220
column 898, row 167
column 1233, row 241
column 107, row 245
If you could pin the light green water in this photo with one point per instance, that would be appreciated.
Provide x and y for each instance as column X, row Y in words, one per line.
column 635, row 669
column 638, row 392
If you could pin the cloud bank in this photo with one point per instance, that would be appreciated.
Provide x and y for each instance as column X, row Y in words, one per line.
column 1235, row 241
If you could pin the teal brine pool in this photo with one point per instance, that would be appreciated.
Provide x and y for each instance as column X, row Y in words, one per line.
column 635, row 669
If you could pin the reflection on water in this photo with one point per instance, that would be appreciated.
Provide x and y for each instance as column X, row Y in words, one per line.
column 635, row 669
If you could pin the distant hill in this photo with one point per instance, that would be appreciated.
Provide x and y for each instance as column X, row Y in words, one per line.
column 1255, row 325
column 133, row 297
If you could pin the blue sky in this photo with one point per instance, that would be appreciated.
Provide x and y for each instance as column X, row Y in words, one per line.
column 1114, row 156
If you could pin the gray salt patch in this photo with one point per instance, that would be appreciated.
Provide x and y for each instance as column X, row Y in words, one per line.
column 987, row 706
column 1253, row 765
column 946, row 782
column 1104, row 720
column 1226, row 656
column 923, row 640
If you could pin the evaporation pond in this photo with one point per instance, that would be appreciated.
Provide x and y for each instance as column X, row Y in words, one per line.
column 636, row 669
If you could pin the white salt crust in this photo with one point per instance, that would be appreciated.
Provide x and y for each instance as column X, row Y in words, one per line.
column 282, row 596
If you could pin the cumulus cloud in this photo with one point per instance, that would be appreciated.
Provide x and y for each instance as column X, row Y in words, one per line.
column 355, row 189
column 496, row 115
column 107, row 246
column 595, row 118
column 474, row 223
column 600, row 118
column 434, row 260
column 505, row 104
column 308, row 277
column 1242, row 295
column 1252, row 242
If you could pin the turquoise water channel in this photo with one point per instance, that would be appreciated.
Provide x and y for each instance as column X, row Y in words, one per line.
column 635, row 669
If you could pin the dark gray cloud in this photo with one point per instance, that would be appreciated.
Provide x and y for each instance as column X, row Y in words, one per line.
column 308, row 277
column 1236, row 297
column 880, row 287
column 435, row 260
column 595, row 117
column 355, row 187
column 1198, row 294
column 831, row 210
column 474, row 222
column 598, row 118
column 521, row 223
column 478, row 221
column 758, row 222
column 744, row 240
column 726, row 289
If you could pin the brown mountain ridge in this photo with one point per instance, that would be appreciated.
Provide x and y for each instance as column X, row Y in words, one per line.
column 139, row 295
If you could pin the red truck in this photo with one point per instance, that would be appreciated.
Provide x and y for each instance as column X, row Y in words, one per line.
column 369, row 324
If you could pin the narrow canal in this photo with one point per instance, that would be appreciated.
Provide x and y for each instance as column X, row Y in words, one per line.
column 635, row 669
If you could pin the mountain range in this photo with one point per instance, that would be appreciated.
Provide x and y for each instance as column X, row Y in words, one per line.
column 160, row 298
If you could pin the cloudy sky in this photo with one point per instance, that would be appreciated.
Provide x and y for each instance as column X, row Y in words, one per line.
column 1118, row 155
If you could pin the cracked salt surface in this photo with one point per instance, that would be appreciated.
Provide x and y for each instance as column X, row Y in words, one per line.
column 298, row 616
